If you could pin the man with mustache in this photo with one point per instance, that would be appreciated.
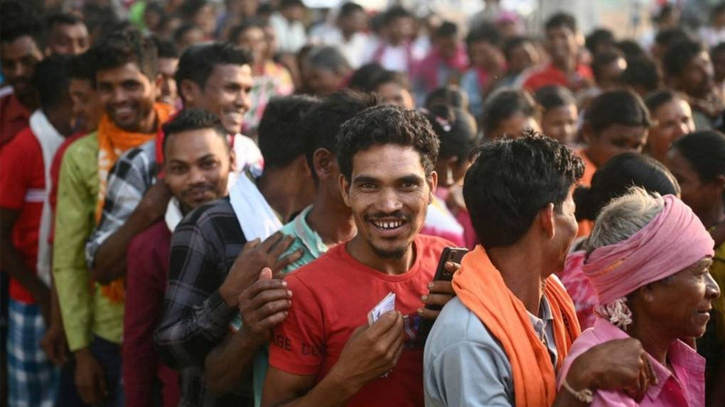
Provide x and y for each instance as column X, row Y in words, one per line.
column 216, row 78
column 20, row 39
column 198, row 164
column 126, row 80
column 324, row 352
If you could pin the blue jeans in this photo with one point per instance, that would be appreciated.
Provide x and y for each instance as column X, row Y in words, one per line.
column 108, row 355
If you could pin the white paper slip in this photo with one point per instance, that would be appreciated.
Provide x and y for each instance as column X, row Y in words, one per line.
column 385, row 305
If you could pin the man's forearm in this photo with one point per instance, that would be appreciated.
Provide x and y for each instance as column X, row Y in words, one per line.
column 230, row 363
column 331, row 391
column 110, row 259
column 14, row 266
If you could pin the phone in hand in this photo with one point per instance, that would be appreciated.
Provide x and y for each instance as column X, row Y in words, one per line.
column 452, row 254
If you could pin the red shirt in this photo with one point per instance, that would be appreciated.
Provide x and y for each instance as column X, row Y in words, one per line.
column 22, row 182
column 14, row 117
column 550, row 75
column 55, row 176
column 332, row 297
column 147, row 264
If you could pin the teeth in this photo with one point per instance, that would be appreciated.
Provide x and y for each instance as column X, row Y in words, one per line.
column 389, row 225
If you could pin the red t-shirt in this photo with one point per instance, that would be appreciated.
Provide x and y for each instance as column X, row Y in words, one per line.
column 550, row 75
column 332, row 297
column 14, row 117
column 22, row 182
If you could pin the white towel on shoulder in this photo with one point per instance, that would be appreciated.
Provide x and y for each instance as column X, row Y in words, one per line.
column 256, row 218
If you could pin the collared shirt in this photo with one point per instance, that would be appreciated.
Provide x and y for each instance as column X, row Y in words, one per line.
column 684, row 388
column 85, row 311
column 13, row 117
column 467, row 366
column 132, row 176
column 195, row 317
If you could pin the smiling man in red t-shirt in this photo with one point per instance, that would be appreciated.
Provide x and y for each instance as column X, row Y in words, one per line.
column 325, row 353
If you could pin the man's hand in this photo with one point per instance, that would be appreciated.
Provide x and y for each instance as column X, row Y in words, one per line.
column 264, row 305
column 617, row 365
column 54, row 344
column 90, row 380
column 251, row 260
column 371, row 351
column 440, row 292
column 155, row 201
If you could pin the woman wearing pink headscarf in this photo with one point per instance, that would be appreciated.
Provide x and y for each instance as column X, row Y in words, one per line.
column 648, row 260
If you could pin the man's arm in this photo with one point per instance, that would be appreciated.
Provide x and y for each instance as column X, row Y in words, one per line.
column 132, row 204
column 14, row 265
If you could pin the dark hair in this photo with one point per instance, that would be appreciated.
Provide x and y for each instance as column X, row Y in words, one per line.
column 705, row 151
column 631, row 49
column 510, row 181
column 386, row 124
column 328, row 58
column 61, row 19
column 484, row 32
column 17, row 19
column 321, row 124
column 553, row 96
column 197, row 63
column 122, row 47
column 81, row 67
column 182, row 30
column 598, row 37
column 51, row 79
column 642, row 71
column 280, row 135
column 718, row 9
column 166, row 49
column 193, row 119
column 237, row 31
column 189, row 8
column 456, row 130
column 601, row 60
column 388, row 76
column 362, row 78
column 617, row 176
column 663, row 12
column 720, row 47
column 283, row 4
column 350, row 8
column 513, row 43
column 395, row 13
column 666, row 38
column 654, row 100
column 503, row 104
column 559, row 20
column 679, row 55
column 450, row 95
column 616, row 107
column 447, row 29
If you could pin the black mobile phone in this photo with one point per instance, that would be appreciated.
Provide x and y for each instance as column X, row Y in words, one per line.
column 454, row 254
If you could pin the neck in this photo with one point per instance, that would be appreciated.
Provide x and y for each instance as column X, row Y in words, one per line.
column 148, row 124
column 713, row 216
column 332, row 220
column 347, row 34
column 29, row 101
column 567, row 65
column 361, row 251
column 654, row 342
column 282, row 190
column 526, row 286
column 58, row 120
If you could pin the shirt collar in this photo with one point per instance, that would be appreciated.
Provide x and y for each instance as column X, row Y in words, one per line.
column 309, row 238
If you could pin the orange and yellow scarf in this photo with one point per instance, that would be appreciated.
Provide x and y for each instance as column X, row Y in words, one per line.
column 481, row 288
column 112, row 143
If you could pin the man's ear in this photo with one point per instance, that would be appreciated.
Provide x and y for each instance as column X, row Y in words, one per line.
column 432, row 184
column 344, row 189
column 323, row 161
column 587, row 132
column 232, row 161
column 188, row 90
column 546, row 220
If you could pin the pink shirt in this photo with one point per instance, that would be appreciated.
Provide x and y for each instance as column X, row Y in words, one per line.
column 685, row 388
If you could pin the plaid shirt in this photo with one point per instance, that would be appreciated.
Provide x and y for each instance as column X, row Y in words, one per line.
column 196, row 318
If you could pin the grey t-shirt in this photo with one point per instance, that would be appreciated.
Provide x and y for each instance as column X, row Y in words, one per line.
column 466, row 366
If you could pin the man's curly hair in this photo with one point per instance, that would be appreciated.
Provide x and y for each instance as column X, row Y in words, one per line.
column 387, row 124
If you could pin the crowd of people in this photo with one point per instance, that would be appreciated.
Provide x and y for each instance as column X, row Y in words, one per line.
column 249, row 203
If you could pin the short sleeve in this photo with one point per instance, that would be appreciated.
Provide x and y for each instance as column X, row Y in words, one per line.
column 13, row 173
column 298, row 343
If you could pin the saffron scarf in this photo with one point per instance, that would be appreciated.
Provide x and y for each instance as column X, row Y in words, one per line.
column 112, row 143
column 481, row 288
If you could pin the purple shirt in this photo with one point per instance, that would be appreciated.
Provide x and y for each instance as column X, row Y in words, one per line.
column 685, row 388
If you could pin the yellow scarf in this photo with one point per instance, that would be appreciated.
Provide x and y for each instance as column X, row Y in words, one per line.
column 112, row 143
column 481, row 289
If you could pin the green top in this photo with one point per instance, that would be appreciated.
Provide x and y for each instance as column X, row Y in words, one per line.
column 85, row 312
column 312, row 247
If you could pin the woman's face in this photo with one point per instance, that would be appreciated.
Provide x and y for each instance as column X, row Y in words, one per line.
column 681, row 304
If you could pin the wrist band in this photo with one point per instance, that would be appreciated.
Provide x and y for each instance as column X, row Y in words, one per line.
column 584, row 395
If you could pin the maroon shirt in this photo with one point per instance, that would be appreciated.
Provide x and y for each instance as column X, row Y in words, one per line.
column 147, row 264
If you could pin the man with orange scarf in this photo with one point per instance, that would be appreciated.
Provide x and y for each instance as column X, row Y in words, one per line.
column 127, row 82
column 501, row 341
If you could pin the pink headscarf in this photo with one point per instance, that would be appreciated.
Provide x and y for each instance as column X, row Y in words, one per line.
column 674, row 240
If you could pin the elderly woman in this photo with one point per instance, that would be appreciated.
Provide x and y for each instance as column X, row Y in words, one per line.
column 648, row 261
